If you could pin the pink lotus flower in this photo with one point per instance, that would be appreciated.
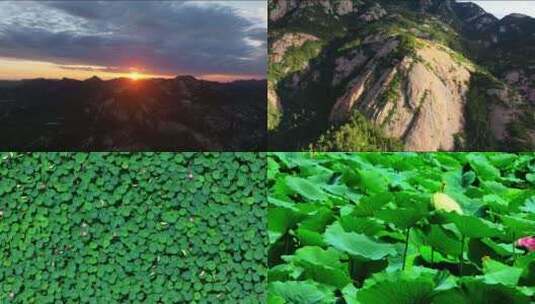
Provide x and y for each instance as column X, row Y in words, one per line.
column 527, row 242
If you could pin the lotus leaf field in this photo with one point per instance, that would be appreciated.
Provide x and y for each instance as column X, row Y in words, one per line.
column 401, row 228
column 132, row 228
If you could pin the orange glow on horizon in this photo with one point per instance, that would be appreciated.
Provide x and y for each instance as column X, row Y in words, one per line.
column 17, row 69
column 135, row 76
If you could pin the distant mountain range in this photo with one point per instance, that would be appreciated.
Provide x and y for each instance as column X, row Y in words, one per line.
column 419, row 75
column 177, row 114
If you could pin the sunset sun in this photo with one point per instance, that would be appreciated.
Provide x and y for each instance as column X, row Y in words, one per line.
column 135, row 75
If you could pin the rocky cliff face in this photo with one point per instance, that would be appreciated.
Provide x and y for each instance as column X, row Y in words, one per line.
column 419, row 100
column 422, row 72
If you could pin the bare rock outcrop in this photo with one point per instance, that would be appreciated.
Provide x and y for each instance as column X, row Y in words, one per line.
column 280, row 46
column 425, row 108
column 344, row 105
column 274, row 107
column 435, row 89
column 345, row 65
column 345, row 7
column 523, row 82
column 281, row 8
column 376, row 12
column 273, row 98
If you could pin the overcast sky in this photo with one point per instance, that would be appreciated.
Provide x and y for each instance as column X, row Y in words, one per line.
column 500, row 8
column 154, row 37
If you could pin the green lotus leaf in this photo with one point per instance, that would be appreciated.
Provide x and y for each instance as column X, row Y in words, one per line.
column 484, row 169
column 300, row 292
column 398, row 288
column 345, row 224
column 116, row 227
column 517, row 227
column 355, row 244
column 373, row 181
column 473, row 227
column 305, row 188
column 309, row 238
column 475, row 290
column 323, row 266
column 499, row 273
column 402, row 217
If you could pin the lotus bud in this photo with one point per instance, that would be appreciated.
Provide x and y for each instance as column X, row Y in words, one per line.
column 441, row 201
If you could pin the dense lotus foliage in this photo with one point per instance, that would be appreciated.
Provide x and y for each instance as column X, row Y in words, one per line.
column 401, row 228
column 132, row 228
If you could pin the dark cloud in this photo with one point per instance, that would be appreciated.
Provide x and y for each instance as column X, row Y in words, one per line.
column 171, row 37
column 258, row 34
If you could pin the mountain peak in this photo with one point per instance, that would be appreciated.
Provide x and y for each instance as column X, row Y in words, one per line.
column 93, row 79
column 437, row 3
column 516, row 16
column 185, row 78
column 468, row 9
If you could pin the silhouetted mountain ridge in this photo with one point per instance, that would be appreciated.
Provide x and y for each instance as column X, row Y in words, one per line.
column 182, row 113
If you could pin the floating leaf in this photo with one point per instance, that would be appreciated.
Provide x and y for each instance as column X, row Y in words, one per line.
column 133, row 227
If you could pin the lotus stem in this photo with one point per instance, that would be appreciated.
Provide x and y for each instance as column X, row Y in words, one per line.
column 513, row 245
column 352, row 269
column 461, row 257
column 287, row 242
column 406, row 248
